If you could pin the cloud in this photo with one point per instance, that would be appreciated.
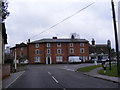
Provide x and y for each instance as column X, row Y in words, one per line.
column 28, row 19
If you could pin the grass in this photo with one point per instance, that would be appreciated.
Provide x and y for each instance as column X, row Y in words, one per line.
column 88, row 68
column 112, row 72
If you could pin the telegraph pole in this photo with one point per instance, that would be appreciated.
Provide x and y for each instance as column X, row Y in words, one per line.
column 15, row 61
column 116, row 36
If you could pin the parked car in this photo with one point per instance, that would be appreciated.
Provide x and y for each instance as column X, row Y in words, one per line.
column 74, row 59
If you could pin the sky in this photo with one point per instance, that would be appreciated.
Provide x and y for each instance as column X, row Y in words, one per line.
column 28, row 18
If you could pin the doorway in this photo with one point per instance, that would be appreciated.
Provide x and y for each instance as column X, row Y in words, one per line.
column 48, row 60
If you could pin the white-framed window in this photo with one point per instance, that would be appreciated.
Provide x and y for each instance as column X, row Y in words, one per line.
column 59, row 51
column 82, row 50
column 82, row 44
column 58, row 44
column 86, row 57
column 48, row 51
column 37, row 51
column 71, row 51
column 59, row 58
column 37, row 45
column 36, row 59
column 22, row 48
column 71, row 44
column 48, row 44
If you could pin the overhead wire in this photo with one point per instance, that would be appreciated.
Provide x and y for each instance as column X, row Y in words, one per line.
column 62, row 21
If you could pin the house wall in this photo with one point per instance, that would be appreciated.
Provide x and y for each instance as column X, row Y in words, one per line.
column 65, row 48
column 18, row 52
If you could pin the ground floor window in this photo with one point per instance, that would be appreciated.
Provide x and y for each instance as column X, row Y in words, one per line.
column 36, row 59
column 59, row 58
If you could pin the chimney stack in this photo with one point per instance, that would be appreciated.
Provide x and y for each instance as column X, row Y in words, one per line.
column 28, row 40
column 54, row 37
column 93, row 41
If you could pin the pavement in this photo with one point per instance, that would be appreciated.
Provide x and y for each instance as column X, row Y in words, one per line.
column 94, row 73
column 14, row 76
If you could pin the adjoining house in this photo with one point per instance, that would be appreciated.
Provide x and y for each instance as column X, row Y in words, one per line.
column 98, row 52
column 21, row 53
column 49, row 51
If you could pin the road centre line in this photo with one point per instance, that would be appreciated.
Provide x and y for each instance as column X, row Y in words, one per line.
column 49, row 73
column 55, row 79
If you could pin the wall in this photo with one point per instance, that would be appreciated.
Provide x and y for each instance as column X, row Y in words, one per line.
column 53, row 51
column 5, row 70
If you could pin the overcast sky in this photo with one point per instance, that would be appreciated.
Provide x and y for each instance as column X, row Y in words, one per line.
column 28, row 18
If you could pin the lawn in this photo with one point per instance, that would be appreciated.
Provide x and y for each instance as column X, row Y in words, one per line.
column 88, row 68
column 112, row 72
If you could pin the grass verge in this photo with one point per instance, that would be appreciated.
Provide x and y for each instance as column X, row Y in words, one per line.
column 112, row 72
column 88, row 68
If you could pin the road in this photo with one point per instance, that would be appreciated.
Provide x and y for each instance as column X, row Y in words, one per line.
column 58, row 76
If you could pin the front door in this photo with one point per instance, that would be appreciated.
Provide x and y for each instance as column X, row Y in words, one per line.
column 48, row 60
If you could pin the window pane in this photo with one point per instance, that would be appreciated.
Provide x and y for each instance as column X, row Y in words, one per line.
column 37, row 51
column 59, row 45
column 82, row 44
column 71, row 51
column 37, row 45
column 37, row 59
column 48, row 51
column 48, row 44
column 82, row 50
column 71, row 44
column 59, row 58
column 58, row 51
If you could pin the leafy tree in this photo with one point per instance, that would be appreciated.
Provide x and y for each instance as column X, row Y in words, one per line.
column 3, row 10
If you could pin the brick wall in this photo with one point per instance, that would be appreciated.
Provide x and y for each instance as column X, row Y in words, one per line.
column 5, row 70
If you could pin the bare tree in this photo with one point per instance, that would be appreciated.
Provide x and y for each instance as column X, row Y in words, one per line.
column 74, row 35
column 3, row 10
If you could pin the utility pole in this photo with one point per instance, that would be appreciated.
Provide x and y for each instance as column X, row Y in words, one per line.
column 15, row 61
column 109, row 49
column 116, row 37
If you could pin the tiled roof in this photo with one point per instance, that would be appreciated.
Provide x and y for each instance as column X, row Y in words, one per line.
column 59, row 40
column 99, row 48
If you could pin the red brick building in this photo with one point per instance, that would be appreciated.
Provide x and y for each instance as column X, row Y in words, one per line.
column 55, row 50
column 21, row 52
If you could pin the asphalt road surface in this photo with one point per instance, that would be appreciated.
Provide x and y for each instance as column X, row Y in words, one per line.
column 58, row 76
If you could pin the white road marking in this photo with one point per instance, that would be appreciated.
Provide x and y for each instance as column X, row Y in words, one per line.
column 49, row 73
column 55, row 79
column 14, row 80
column 64, row 89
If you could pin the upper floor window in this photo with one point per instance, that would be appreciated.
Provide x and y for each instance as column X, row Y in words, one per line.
column 48, row 44
column 22, row 48
column 58, row 51
column 82, row 44
column 71, row 51
column 48, row 51
column 37, row 51
column 58, row 44
column 82, row 50
column 36, row 45
column 71, row 44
